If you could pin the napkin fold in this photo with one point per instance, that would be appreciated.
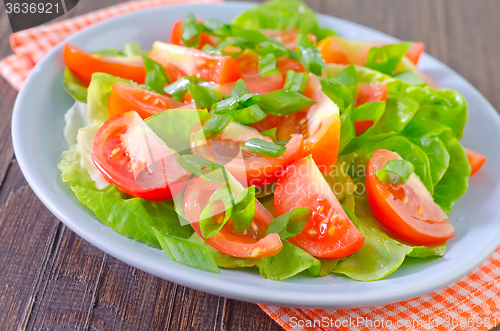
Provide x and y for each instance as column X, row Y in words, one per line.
column 470, row 303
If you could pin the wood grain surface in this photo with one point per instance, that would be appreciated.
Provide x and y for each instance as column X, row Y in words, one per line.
column 51, row 279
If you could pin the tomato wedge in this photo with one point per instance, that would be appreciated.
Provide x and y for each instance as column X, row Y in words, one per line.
column 329, row 233
column 83, row 65
column 176, row 36
column 319, row 124
column 126, row 97
column 131, row 156
column 370, row 92
column 252, row 243
column 476, row 160
column 416, row 49
column 185, row 61
column 248, row 168
column 408, row 210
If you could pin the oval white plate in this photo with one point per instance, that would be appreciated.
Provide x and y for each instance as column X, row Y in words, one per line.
column 37, row 130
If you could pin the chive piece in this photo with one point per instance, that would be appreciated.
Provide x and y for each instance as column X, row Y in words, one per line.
column 203, row 96
column 310, row 56
column 213, row 127
column 386, row 58
column 271, row 133
column 396, row 172
column 217, row 212
column 156, row 77
column 290, row 224
column 190, row 32
column 249, row 115
column 295, row 81
column 283, row 102
column 244, row 209
column 267, row 65
column 205, row 169
column 259, row 146
column 178, row 88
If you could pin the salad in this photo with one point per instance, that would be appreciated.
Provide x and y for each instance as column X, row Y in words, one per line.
column 268, row 143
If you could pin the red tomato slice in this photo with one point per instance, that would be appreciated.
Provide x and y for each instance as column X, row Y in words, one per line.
column 343, row 51
column 248, row 168
column 126, row 97
column 193, row 62
column 408, row 210
column 176, row 36
column 252, row 243
column 476, row 160
column 83, row 65
column 319, row 124
column 329, row 233
column 361, row 126
column 131, row 156
column 370, row 92
column 416, row 49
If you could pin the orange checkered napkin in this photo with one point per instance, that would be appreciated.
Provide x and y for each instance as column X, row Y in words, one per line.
column 470, row 303
column 31, row 45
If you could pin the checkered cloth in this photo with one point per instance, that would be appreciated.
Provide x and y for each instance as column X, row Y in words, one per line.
column 471, row 303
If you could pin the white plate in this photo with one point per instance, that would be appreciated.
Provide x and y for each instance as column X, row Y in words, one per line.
column 37, row 130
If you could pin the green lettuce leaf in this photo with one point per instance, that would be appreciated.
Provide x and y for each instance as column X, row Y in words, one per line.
column 74, row 87
column 287, row 263
column 398, row 113
column 282, row 14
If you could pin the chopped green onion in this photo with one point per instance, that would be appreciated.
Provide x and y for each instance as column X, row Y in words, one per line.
column 351, row 216
column 342, row 88
column 205, row 169
column 296, row 81
column 203, row 96
column 386, row 58
column 132, row 49
column 213, row 127
column 186, row 252
column 178, row 89
column 262, row 147
column 267, row 65
column 283, row 102
column 271, row 133
column 156, row 77
column 396, row 172
column 244, row 209
column 109, row 52
column 249, row 115
column 190, row 32
column 239, row 88
column 347, row 131
column 290, row 224
column 310, row 56
column 213, row 217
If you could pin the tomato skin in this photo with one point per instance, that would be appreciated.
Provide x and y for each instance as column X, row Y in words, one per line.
column 416, row 49
column 319, row 124
column 126, row 97
column 476, row 160
column 370, row 92
column 329, row 233
column 176, row 36
column 408, row 211
column 248, row 168
column 361, row 126
column 83, row 65
column 287, row 37
column 252, row 243
column 185, row 61
column 112, row 158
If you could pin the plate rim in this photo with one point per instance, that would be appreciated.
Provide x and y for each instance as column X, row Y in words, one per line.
column 191, row 277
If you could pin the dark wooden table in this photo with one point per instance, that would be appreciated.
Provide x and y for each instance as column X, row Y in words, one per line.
column 50, row 278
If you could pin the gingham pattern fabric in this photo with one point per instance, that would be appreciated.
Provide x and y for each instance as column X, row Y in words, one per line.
column 471, row 303
column 31, row 45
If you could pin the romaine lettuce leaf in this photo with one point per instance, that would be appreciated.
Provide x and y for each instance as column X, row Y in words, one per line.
column 282, row 14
